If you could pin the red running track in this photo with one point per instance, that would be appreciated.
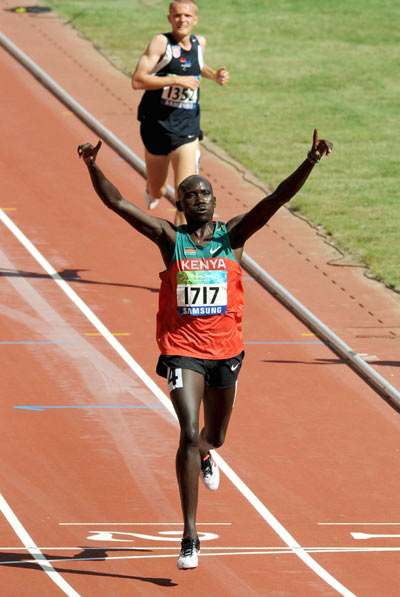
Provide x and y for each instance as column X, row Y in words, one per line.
column 88, row 490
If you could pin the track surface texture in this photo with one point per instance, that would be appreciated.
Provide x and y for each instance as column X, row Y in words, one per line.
column 308, row 505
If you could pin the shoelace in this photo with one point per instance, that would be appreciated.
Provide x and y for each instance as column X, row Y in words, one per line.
column 206, row 466
column 188, row 546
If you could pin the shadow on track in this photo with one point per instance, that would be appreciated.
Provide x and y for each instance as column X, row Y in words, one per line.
column 70, row 275
column 23, row 560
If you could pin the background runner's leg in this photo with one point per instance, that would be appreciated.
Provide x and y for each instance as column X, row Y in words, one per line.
column 157, row 172
column 184, row 163
column 186, row 401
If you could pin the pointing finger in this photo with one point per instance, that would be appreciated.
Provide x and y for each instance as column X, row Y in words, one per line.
column 315, row 139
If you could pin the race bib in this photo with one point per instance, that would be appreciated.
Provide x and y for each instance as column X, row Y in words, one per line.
column 179, row 97
column 202, row 293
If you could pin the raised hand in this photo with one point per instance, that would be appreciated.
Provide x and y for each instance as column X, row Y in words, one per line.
column 319, row 148
column 88, row 153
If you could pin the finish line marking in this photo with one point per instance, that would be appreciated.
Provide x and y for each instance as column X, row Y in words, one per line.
column 42, row 408
column 144, row 524
column 255, row 502
column 248, row 551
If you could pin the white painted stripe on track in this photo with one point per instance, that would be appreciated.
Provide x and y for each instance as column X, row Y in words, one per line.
column 141, row 524
column 285, row 551
column 380, row 524
column 39, row 558
column 130, row 361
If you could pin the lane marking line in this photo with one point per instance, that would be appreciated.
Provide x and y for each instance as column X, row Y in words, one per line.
column 130, row 361
column 319, row 342
column 42, row 408
column 363, row 536
column 33, row 342
column 360, row 523
column 39, row 558
column 270, row 552
column 86, row 524
column 259, row 549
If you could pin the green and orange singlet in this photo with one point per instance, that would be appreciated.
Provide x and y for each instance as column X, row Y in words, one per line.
column 201, row 299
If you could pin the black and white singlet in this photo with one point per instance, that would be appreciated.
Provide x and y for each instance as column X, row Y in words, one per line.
column 173, row 107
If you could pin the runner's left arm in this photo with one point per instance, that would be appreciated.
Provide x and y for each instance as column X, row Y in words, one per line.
column 220, row 75
column 243, row 226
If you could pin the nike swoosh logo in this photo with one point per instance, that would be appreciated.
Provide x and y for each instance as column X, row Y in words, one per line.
column 212, row 251
column 234, row 367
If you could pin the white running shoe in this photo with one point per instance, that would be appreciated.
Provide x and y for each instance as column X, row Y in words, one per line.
column 149, row 201
column 188, row 558
column 209, row 473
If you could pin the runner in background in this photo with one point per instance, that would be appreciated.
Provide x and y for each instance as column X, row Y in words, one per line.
column 199, row 331
column 169, row 113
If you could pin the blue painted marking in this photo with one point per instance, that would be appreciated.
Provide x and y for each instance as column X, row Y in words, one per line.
column 284, row 342
column 45, row 407
column 34, row 342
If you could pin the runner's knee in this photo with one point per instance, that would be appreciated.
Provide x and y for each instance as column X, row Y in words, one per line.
column 189, row 437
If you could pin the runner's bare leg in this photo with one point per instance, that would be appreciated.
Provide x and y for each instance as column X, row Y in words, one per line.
column 185, row 161
column 186, row 402
column 157, row 172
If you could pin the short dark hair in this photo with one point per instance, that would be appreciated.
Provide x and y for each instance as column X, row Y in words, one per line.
column 186, row 181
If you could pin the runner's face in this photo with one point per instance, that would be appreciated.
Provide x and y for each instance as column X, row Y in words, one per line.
column 183, row 18
column 198, row 201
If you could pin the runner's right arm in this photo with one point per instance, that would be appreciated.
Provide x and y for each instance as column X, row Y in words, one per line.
column 160, row 231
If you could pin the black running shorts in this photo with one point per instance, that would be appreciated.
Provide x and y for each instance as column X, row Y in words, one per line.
column 158, row 141
column 220, row 374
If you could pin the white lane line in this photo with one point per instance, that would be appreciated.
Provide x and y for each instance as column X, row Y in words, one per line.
column 237, row 548
column 262, row 552
column 141, row 524
column 39, row 558
column 379, row 524
column 369, row 536
column 130, row 361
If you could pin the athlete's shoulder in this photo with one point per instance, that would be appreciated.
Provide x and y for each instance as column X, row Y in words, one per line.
column 158, row 43
column 200, row 39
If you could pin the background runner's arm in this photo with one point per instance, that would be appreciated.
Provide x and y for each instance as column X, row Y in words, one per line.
column 245, row 225
column 220, row 75
column 142, row 77
column 156, row 229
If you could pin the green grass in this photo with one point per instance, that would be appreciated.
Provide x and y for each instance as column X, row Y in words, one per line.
column 294, row 65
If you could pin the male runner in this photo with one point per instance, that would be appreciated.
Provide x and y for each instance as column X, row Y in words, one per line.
column 200, row 311
column 169, row 71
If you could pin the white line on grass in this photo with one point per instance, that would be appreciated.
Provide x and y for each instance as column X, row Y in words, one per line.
column 130, row 361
